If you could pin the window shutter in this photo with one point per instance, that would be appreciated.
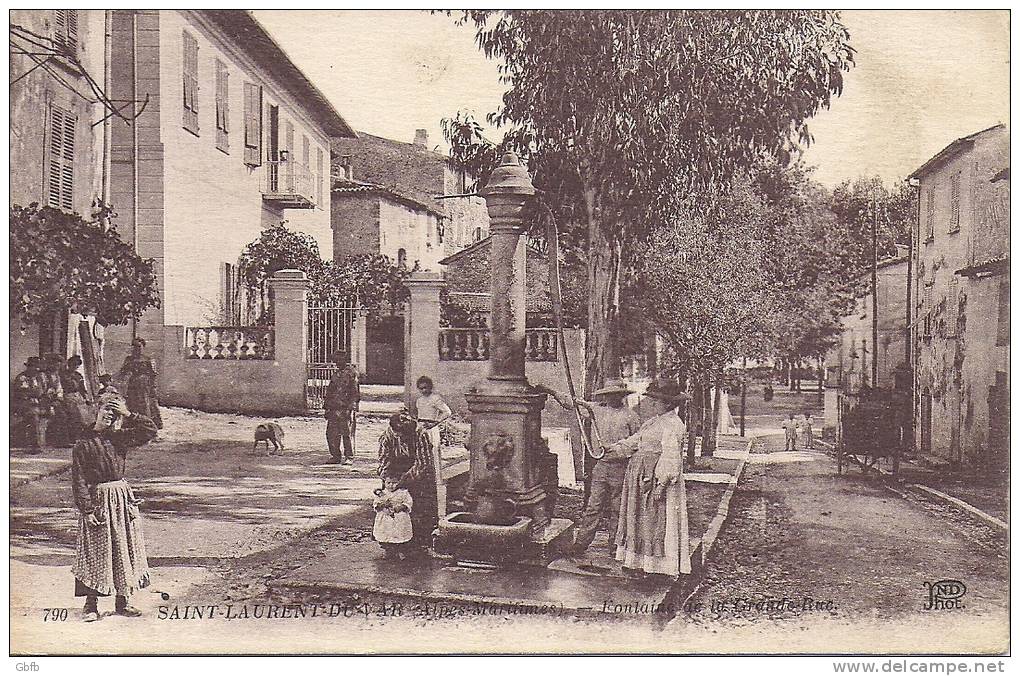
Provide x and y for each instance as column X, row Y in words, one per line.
column 289, row 164
column 954, row 201
column 60, row 178
column 65, row 29
column 222, row 107
column 930, row 220
column 190, row 83
column 252, row 124
column 318, row 176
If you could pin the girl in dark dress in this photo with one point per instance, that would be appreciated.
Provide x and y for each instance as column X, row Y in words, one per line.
column 139, row 376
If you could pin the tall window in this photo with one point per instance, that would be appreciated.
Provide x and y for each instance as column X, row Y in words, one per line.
column 60, row 161
column 930, row 216
column 318, row 175
column 252, row 124
column 954, row 203
column 288, row 145
column 65, row 30
column 222, row 107
column 190, row 83
column 952, row 306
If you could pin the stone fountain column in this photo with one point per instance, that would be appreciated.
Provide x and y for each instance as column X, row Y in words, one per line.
column 509, row 457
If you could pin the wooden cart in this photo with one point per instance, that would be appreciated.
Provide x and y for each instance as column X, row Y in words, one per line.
column 871, row 427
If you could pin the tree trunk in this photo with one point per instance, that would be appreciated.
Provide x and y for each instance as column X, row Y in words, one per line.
column 601, row 348
column 707, row 430
column 693, row 421
column 784, row 372
column 821, row 376
column 716, row 402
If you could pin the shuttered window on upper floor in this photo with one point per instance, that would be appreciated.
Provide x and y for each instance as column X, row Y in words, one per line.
column 222, row 107
column 65, row 30
column 190, row 83
column 954, row 202
column 930, row 214
column 319, row 162
column 59, row 186
column 952, row 307
column 252, row 124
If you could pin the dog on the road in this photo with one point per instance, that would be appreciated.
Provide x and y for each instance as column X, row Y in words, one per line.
column 269, row 433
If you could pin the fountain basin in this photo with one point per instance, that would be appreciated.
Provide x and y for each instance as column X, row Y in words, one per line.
column 461, row 537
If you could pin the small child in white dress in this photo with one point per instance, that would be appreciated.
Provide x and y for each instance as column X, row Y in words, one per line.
column 392, row 527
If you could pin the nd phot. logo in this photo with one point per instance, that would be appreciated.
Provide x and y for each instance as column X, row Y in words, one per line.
column 944, row 595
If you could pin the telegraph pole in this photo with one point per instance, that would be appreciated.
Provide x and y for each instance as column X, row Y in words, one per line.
column 874, row 289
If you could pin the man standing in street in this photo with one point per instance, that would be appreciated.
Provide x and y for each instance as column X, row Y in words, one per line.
column 28, row 392
column 615, row 421
column 791, row 426
column 341, row 404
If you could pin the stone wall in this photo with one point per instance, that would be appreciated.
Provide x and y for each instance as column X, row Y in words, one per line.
column 253, row 386
column 958, row 354
column 355, row 223
column 470, row 272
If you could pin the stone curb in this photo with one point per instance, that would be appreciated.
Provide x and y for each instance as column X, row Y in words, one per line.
column 931, row 493
column 689, row 587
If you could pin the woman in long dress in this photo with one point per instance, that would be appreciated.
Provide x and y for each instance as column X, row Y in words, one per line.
column 139, row 377
column 433, row 412
column 653, row 530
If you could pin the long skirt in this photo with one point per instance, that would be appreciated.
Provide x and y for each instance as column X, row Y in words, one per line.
column 653, row 530
column 111, row 556
column 435, row 436
column 141, row 399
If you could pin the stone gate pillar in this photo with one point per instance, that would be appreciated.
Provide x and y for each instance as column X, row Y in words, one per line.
column 289, row 289
column 421, row 326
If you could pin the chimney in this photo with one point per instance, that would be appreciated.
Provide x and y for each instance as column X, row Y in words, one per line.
column 421, row 139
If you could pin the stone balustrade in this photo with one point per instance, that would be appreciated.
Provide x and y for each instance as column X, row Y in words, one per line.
column 229, row 342
column 473, row 345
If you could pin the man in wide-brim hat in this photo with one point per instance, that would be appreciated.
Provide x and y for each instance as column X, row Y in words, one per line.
column 27, row 393
column 614, row 421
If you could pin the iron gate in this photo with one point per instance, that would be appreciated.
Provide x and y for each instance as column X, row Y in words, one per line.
column 330, row 328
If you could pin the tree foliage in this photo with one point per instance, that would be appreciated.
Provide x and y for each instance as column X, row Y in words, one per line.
column 59, row 260
column 626, row 112
column 371, row 280
column 706, row 287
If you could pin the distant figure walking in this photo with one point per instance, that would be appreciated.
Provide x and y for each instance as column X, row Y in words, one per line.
column 791, row 425
column 343, row 397
column 807, row 429
column 140, row 377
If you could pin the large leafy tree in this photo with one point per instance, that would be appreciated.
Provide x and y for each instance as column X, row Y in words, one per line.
column 707, row 290
column 635, row 108
column 60, row 262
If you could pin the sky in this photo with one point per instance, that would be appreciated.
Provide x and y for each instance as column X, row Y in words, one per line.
column 922, row 79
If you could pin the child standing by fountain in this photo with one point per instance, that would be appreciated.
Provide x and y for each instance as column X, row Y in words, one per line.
column 433, row 412
column 392, row 527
